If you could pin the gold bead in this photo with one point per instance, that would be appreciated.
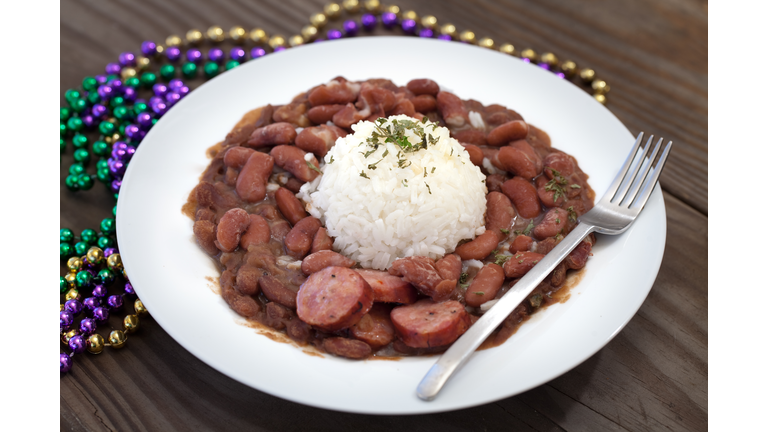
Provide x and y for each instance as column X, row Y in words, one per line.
column 194, row 36
column 115, row 262
column 117, row 339
column 258, row 36
column 130, row 323
column 108, row 139
column 309, row 32
column 72, row 294
column 318, row 20
column 587, row 75
column 122, row 272
column 142, row 62
column 395, row 9
column 295, row 41
column 68, row 335
column 411, row 15
column 276, row 41
column 332, row 10
column 529, row 54
column 549, row 58
column 486, row 42
column 448, row 29
column 237, row 34
column 115, row 137
column 138, row 306
column 95, row 255
column 429, row 21
column 569, row 68
column 61, row 307
column 95, row 344
column 159, row 50
column 600, row 86
column 351, row 6
column 74, row 263
column 128, row 72
column 173, row 41
column 600, row 98
column 215, row 34
column 468, row 36
column 508, row 48
column 372, row 6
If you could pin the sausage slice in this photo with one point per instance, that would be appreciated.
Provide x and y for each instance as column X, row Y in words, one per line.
column 334, row 298
column 427, row 324
column 388, row 288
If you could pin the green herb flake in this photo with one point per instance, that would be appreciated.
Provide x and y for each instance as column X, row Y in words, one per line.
column 425, row 171
column 501, row 259
column 575, row 186
column 330, row 161
column 556, row 185
column 529, row 228
column 557, row 220
column 428, row 189
column 504, row 230
column 313, row 167
column 479, row 293
column 463, row 278
column 572, row 214
column 433, row 170
column 364, row 175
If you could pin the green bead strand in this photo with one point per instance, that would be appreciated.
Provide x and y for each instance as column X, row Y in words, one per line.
column 90, row 83
column 107, row 226
column 76, row 169
column 231, row 64
column 139, row 107
column 102, row 163
column 148, row 79
column 133, row 82
column 107, row 128
column 63, row 145
column 81, row 248
column 64, row 114
column 65, row 250
column 94, row 98
column 114, row 211
column 84, row 181
column 66, row 235
column 63, row 129
column 79, row 140
column 104, row 175
column 82, row 155
column 106, row 242
column 121, row 112
column 71, row 95
column 117, row 101
column 168, row 71
column 75, row 124
column 100, row 148
column 210, row 70
column 83, row 279
column 79, row 105
column 63, row 285
column 89, row 236
column 189, row 70
column 105, row 277
column 71, row 182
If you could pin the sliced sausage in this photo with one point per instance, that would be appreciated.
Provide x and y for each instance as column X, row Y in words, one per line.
column 298, row 241
column 325, row 258
column 521, row 263
column 426, row 324
column 388, row 288
column 274, row 134
column 258, row 232
column 231, row 226
column 251, row 183
column 449, row 267
column 485, row 285
column 334, row 298
column 480, row 247
column 375, row 328
column 422, row 273
column 275, row 291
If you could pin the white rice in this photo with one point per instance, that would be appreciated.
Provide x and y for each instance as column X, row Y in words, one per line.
column 393, row 214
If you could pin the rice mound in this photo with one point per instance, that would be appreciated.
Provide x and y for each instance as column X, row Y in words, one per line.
column 424, row 208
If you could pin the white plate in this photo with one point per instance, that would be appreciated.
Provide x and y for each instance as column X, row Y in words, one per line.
column 169, row 271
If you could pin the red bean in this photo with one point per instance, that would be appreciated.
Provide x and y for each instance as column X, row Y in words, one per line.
column 485, row 285
column 348, row 348
column 375, row 100
column 557, row 277
column 231, row 226
column 275, row 291
column 577, row 259
column 523, row 195
column 470, row 136
column 508, row 132
column 521, row 263
column 553, row 224
column 375, row 328
column 251, row 185
column 247, row 281
column 290, row 206
column 422, row 273
column 274, row 134
column 494, row 181
column 475, row 154
column 298, row 330
column 521, row 243
column 519, row 158
column 205, row 233
column 536, row 135
column 560, row 162
column 423, row 86
column 275, row 315
column 499, row 213
column 291, row 159
column 318, row 139
column 322, row 114
column 243, row 305
column 317, row 261
column 480, row 247
column 547, row 197
column 298, row 241
column 322, row 241
column 236, row 157
column 348, row 116
column 449, row 267
column 214, row 196
column 334, row 92
column 404, row 107
column 293, row 113
column 424, row 103
column 258, row 232
column 452, row 109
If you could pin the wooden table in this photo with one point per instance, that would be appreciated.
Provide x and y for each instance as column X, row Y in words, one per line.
column 651, row 376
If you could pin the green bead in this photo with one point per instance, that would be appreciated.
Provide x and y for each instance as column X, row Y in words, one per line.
column 65, row 250
column 148, row 79
column 154, row 121
column 112, row 77
column 106, row 242
column 66, row 235
column 104, row 175
column 168, row 71
column 71, row 182
column 71, row 95
column 139, row 107
column 63, row 145
column 63, row 285
column 231, row 64
column 121, row 112
column 210, row 69
column 81, row 248
column 82, row 155
column 76, row 169
column 114, row 211
column 79, row 141
column 121, row 128
column 64, row 113
column 132, row 82
column 117, row 101
column 106, row 277
column 90, row 83
column 102, row 163
column 107, row 226
column 83, row 279
column 100, row 148
column 75, row 124
column 88, row 235
column 63, row 129
column 189, row 70
column 107, row 128
column 117, row 195
column 94, row 98
column 79, row 105
column 84, row 181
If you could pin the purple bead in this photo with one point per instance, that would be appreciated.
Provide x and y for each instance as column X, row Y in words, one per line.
column 89, row 121
column 117, row 87
column 159, row 107
column 369, row 21
column 560, row 75
column 282, row 48
column 173, row 54
column 318, row 40
column 116, row 167
column 194, row 55
column 105, row 92
column 132, row 131
column 99, row 111
column 74, row 307
column 144, row 119
column 409, row 26
column 115, row 186
column 65, row 363
column 112, row 69
column 237, row 53
column 129, row 152
column 176, row 83
column 171, row 98
column 119, row 145
column 99, row 291
column 129, row 288
column 148, row 48
column 65, row 319
column 351, row 27
column 183, row 91
column 109, row 251
column 216, row 55
column 527, row 60
column 426, row 33
column 544, row 66
column 101, row 314
column 119, row 154
column 445, row 37
column 87, row 326
column 389, row 19
column 101, row 79
column 257, row 52
column 159, row 89
column 127, row 59
column 115, row 301
column 77, row 344
column 333, row 34
column 92, row 303
column 129, row 94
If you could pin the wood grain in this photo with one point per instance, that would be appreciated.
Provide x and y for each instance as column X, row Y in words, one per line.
column 651, row 376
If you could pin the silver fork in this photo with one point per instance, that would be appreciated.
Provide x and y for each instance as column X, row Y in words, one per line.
column 612, row 215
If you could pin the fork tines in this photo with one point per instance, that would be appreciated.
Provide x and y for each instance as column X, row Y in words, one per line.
column 633, row 189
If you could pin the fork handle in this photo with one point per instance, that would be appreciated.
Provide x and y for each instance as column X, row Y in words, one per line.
column 461, row 350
